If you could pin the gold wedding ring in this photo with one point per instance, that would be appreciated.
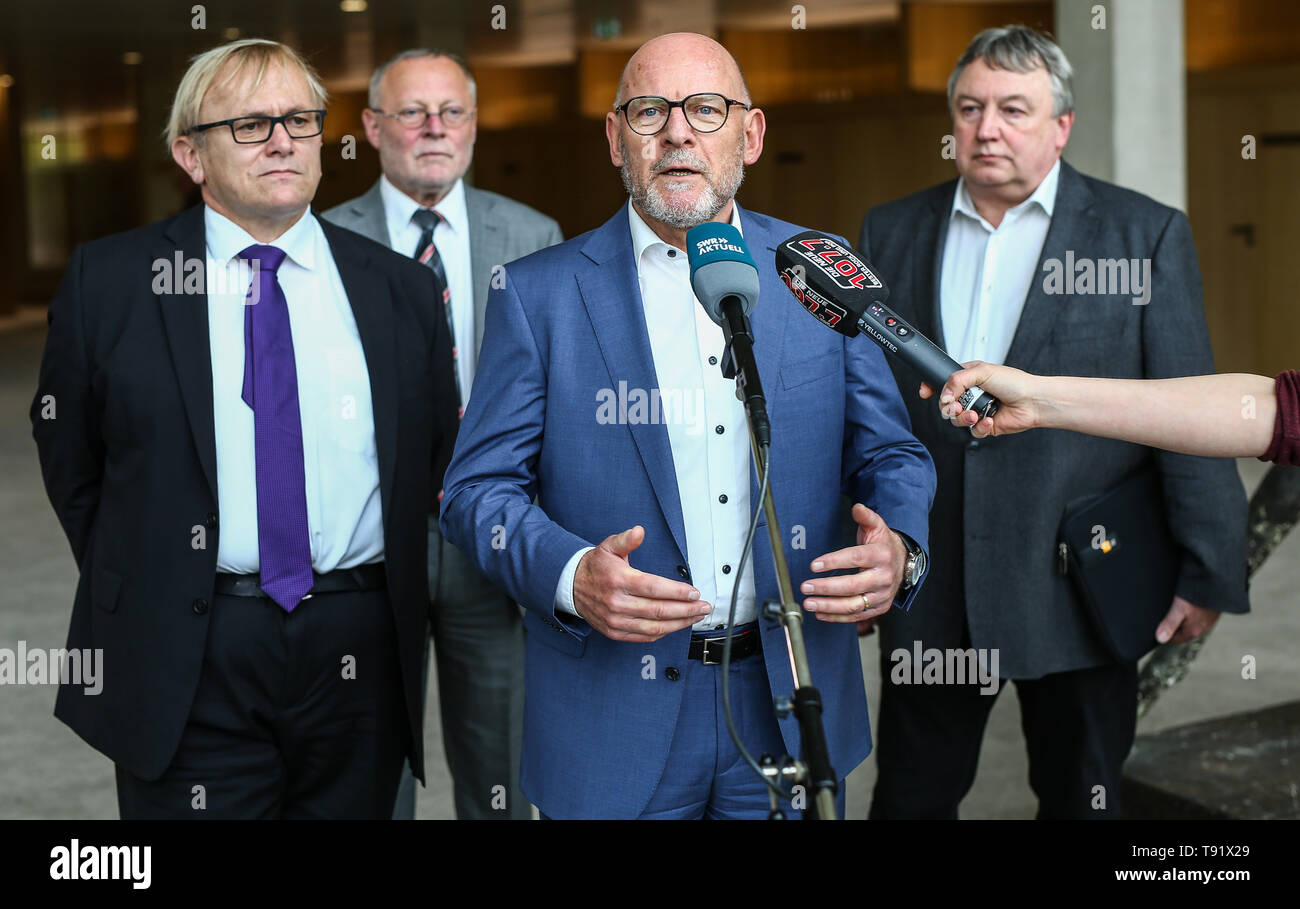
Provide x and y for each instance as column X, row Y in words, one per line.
column 866, row 603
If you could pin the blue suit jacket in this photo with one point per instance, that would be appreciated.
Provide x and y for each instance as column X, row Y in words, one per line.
column 566, row 323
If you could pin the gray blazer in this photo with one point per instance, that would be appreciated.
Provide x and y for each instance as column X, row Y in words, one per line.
column 500, row 231
column 993, row 529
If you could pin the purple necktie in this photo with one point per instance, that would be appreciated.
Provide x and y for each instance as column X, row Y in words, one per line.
column 271, row 390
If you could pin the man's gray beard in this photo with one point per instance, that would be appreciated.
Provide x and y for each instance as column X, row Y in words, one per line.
column 711, row 201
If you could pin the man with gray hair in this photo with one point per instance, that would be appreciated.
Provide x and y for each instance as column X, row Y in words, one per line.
column 1018, row 262
column 423, row 120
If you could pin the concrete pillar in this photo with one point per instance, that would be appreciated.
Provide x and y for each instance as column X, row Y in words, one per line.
column 1130, row 93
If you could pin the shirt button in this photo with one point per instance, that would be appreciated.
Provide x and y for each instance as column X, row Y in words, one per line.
column 726, row 569
column 672, row 253
column 718, row 429
column 671, row 674
column 723, row 498
column 713, row 361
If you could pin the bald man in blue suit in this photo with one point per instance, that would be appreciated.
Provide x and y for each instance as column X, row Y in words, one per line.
column 620, row 525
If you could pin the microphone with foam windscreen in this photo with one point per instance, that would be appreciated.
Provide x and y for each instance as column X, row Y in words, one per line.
column 725, row 280
column 833, row 283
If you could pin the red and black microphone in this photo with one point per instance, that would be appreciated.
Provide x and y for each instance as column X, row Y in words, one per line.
column 841, row 290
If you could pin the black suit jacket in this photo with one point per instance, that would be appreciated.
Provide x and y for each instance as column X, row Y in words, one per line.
column 130, row 466
column 993, row 529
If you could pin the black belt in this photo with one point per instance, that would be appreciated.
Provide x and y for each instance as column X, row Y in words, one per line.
column 363, row 577
column 708, row 650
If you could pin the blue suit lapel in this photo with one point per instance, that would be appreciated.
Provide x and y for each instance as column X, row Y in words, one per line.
column 611, row 293
column 771, row 314
column 770, row 318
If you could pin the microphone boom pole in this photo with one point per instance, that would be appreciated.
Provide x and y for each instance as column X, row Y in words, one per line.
column 729, row 310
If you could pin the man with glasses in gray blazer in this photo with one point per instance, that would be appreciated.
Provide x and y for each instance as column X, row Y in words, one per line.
column 422, row 120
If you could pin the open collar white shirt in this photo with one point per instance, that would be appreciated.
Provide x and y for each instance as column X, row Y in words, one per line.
column 988, row 271
column 706, row 426
column 344, row 515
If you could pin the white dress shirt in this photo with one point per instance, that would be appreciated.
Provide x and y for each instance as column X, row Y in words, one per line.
column 344, row 517
column 987, row 271
column 452, row 239
column 709, row 465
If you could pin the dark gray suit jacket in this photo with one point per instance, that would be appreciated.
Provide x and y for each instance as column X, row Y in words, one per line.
column 993, row 529
column 500, row 231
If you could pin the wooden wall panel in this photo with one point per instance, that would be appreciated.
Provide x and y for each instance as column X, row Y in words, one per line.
column 1243, row 212
column 1225, row 33
column 937, row 33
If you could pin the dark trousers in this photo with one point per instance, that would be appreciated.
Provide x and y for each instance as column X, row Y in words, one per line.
column 296, row 715
column 1078, row 726
column 478, row 636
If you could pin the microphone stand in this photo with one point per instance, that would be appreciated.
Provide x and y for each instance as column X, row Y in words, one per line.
column 815, row 770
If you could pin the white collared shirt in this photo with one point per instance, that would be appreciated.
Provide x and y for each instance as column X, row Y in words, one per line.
column 987, row 271
column 695, row 402
column 344, row 515
column 452, row 239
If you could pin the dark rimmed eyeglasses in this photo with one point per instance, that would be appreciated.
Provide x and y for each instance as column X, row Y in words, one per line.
column 452, row 116
column 299, row 124
column 706, row 112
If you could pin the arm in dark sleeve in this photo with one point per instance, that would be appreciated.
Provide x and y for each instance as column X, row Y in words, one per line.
column 1285, row 448
column 65, row 417
column 1204, row 500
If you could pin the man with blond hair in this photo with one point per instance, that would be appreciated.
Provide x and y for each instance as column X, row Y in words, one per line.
column 218, row 418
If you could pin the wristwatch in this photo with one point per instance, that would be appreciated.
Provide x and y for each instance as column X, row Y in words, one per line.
column 916, row 563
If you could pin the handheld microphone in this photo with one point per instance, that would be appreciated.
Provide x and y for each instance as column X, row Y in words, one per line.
column 833, row 283
column 725, row 280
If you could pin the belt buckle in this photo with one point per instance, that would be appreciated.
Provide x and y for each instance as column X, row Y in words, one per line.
column 705, row 658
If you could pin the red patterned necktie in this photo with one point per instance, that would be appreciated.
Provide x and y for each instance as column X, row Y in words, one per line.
column 427, row 253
